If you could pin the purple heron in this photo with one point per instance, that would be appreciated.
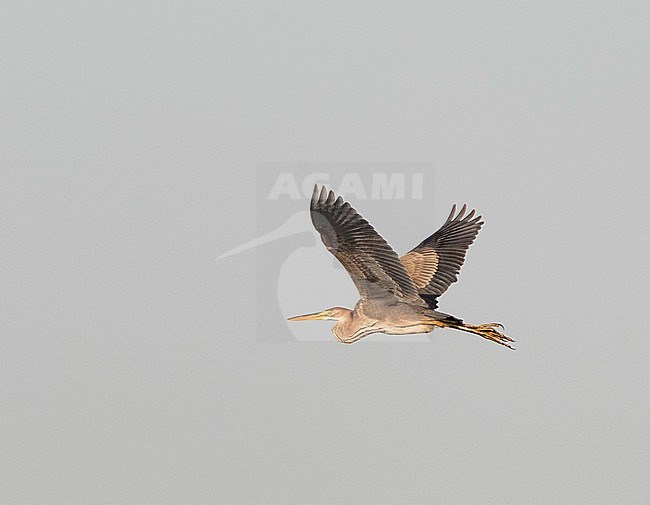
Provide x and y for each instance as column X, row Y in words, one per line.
column 399, row 296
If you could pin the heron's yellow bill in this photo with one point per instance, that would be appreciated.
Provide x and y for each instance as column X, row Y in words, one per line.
column 309, row 317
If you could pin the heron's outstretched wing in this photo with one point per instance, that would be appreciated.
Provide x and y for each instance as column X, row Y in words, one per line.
column 372, row 264
column 435, row 263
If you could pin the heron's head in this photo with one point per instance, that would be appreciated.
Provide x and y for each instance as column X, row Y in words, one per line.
column 333, row 314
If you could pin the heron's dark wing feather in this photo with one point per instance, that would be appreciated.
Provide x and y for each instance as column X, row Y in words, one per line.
column 435, row 263
column 372, row 264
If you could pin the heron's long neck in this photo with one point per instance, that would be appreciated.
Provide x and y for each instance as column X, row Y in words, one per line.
column 351, row 327
column 344, row 327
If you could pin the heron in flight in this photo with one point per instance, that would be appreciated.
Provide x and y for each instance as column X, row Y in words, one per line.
column 399, row 296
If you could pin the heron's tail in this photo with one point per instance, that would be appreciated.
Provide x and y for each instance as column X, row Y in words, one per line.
column 488, row 331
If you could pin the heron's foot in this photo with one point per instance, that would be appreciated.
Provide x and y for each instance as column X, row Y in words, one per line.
column 490, row 332
column 493, row 325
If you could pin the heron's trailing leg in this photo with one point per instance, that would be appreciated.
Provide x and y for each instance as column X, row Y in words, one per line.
column 487, row 331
